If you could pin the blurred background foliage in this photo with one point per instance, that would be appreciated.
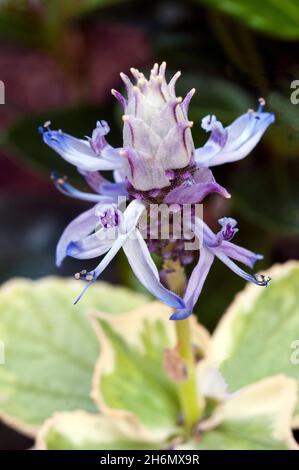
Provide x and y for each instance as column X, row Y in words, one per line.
column 60, row 58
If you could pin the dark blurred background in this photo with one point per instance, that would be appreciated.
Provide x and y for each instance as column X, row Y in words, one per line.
column 58, row 61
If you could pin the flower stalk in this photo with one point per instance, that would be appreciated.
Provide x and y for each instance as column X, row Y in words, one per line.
column 188, row 391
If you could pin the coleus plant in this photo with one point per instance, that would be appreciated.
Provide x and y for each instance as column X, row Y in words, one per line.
column 158, row 164
column 92, row 377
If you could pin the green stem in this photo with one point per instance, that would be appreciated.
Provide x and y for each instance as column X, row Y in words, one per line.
column 188, row 393
column 187, row 389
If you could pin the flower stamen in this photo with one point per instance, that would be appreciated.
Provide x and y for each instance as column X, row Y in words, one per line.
column 262, row 279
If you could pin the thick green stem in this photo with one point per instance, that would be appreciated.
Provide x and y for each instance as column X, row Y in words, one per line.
column 188, row 389
column 189, row 396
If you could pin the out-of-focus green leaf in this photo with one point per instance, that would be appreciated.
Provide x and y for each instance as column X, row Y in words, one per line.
column 284, row 135
column 256, row 417
column 79, row 430
column 73, row 8
column 250, row 434
column 24, row 141
column 274, row 17
column 260, row 194
column 41, row 23
column 50, row 347
column 130, row 376
column 17, row 24
column 257, row 336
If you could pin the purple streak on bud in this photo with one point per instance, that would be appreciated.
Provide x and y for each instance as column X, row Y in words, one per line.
column 186, row 101
column 120, row 98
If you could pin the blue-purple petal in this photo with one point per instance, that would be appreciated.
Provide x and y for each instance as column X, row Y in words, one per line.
column 239, row 139
column 195, row 283
column 146, row 271
column 79, row 228
column 79, row 152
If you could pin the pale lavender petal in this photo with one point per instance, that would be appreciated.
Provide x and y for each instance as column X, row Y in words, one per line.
column 260, row 280
column 228, row 248
column 140, row 135
column 196, row 187
column 80, row 227
column 176, row 149
column 114, row 189
column 88, row 248
column 195, row 283
column 94, row 179
column 103, row 186
column 104, row 263
column 234, row 142
column 68, row 190
column 146, row 271
column 130, row 219
column 116, row 246
column 167, row 117
column 94, row 245
column 144, row 173
column 79, row 152
column 239, row 253
column 194, row 193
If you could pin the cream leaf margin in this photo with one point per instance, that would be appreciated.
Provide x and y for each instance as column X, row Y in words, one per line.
column 128, row 325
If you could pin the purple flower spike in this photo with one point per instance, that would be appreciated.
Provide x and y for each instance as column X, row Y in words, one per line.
column 156, row 165
column 156, row 129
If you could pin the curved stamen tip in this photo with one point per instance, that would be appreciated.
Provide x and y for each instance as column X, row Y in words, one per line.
column 58, row 180
column 262, row 279
column 84, row 276
column 45, row 127
column 262, row 103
